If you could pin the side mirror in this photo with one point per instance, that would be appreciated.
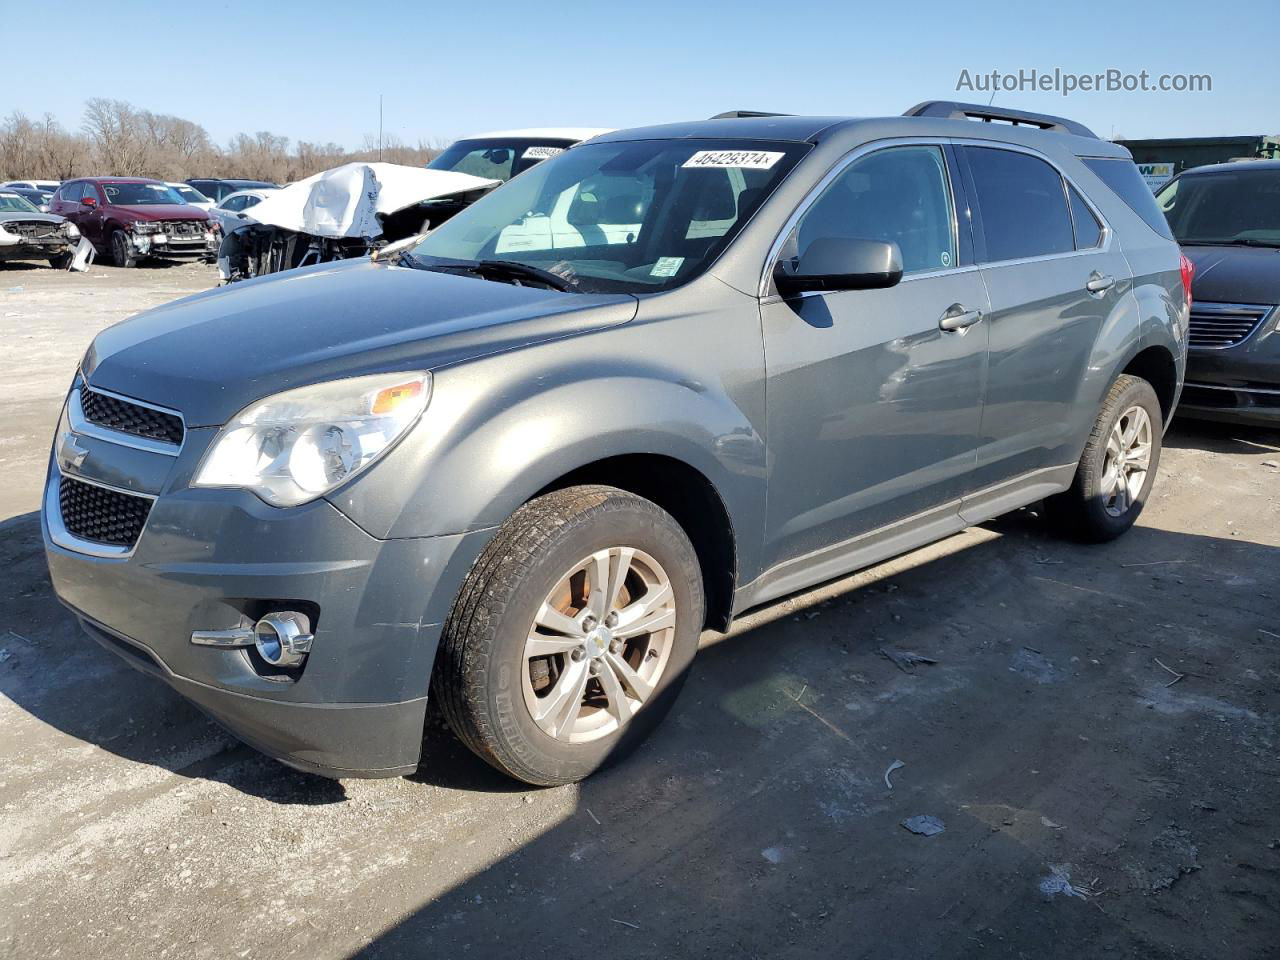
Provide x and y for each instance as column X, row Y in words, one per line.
column 840, row 263
column 89, row 202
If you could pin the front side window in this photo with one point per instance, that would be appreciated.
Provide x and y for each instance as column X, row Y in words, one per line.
column 1230, row 207
column 1023, row 203
column 633, row 216
column 899, row 195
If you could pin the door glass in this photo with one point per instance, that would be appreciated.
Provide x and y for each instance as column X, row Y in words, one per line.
column 1023, row 204
column 1088, row 230
column 899, row 195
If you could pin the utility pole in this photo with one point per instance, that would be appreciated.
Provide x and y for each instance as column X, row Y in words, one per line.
column 379, row 128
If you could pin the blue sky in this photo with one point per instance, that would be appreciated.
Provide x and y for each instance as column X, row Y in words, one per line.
column 449, row 70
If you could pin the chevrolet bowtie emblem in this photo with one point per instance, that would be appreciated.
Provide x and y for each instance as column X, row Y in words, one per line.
column 72, row 454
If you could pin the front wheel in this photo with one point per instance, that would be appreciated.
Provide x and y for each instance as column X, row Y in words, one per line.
column 122, row 251
column 572, row 634
column 62, row 261
column 1118, row 467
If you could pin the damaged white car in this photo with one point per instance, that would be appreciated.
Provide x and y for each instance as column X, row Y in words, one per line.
column 357, row 208
column 28, row 234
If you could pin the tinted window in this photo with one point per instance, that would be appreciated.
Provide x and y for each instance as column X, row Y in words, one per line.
column 1126, row 182
column 1023, row 205
column 233, row 204
column 1088, row 230
column 1227, row 206
column 898, row 195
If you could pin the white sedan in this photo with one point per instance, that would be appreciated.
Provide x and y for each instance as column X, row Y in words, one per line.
column 230, row 213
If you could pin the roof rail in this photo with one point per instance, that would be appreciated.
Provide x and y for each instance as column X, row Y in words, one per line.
column 739, row 114
column 977, row 111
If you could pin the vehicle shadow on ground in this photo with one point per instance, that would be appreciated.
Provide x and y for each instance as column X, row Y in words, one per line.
column 55, row 672
column 757, row 822
column 1186, row 434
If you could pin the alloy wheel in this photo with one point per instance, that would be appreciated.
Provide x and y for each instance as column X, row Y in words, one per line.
column 599, row 645
column 1128, row 458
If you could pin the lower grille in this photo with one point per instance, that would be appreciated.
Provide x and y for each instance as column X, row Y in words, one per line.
column 117, row 414
column 99, row 515
column 194, row 229
column 1220, row 325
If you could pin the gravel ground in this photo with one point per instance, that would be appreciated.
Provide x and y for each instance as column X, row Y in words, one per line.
column 1098, row 738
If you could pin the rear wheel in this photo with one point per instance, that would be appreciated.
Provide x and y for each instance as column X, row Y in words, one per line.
column 572, row 634
column 1118, row 467
column 122, row 251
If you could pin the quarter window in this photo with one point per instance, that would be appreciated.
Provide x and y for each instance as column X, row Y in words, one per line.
column 1023, row 205
column 1087, row 229
column 899, row 195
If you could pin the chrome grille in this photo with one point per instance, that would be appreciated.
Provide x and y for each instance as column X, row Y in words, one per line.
column 115, row 413
column 100, row 515
column 1215, row 326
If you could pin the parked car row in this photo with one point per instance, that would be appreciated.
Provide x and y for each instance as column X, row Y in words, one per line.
column 654, row 381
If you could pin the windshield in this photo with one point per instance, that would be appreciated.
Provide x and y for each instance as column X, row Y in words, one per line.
column 498, row 159
column 140, row 194
column 12, row 203
column 1234, row 206
column 190, row 194
column 632, row 217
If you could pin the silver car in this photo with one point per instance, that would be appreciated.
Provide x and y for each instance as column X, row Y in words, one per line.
column 654, row 381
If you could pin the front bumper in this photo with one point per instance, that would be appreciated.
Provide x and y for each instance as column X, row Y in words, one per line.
column 1238, row 383
column 166, row 247
column 36, row 248
column 217, row 559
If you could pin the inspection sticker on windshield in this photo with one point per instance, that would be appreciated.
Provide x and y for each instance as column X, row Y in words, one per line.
column 540, row 153
column 742, row 159
column 666, row 267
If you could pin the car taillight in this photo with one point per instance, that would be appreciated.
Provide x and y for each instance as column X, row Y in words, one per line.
column 1188, row 274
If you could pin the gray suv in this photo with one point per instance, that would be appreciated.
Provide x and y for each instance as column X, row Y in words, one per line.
column 664, row 377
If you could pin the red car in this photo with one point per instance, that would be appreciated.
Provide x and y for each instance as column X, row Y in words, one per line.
column 132, row 218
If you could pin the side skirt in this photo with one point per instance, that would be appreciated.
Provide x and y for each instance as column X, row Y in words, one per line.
column 910, row 533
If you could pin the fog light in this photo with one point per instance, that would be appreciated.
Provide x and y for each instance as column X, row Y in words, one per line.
column 283, row 639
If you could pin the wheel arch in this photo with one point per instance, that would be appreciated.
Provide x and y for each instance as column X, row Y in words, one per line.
column 1156, row 365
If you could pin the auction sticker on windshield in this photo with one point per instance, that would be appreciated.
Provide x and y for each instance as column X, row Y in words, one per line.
column 741, row 159
column 541, row 153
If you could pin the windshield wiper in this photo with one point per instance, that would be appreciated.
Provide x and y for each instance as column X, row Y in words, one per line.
column 520, row 271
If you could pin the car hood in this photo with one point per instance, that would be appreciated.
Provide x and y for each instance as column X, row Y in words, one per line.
column 162, row 211
column 30, row 218
column 1235, row 274
column 213, row 354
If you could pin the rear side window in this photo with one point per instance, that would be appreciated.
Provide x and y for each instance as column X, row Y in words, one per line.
column 1023, row 205
column 1126, row 182
column 1088, row 230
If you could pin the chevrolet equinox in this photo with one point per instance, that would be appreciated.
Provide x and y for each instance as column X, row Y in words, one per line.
column 661, row 378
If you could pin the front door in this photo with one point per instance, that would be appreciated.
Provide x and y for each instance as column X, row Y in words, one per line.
column 873, row 407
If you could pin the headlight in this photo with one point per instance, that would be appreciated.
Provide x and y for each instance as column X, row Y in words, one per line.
column 145, row 226
column 71, row 229
column 300, row 444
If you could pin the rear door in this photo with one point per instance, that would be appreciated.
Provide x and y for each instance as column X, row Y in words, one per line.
column 1054, row 277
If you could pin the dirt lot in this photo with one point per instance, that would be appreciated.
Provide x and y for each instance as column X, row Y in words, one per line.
column 1096, row 802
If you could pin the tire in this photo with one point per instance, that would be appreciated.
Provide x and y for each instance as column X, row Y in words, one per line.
column 1095, row 508
column 121, row 254
column 489, row 688
column 61, row 261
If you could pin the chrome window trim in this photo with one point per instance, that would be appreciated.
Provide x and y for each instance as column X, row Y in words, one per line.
column 766, row 293
column 1218, row 386
column 64, row 538
column 86, row 428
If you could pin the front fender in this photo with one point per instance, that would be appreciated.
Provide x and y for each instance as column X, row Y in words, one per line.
column 501, row 428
